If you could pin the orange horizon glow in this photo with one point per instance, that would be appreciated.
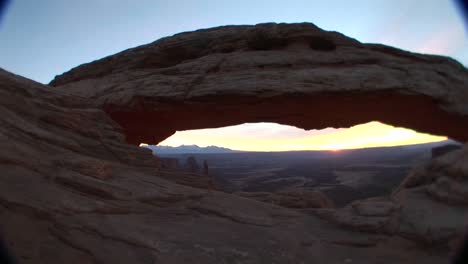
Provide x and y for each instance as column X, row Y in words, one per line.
column 276, row 137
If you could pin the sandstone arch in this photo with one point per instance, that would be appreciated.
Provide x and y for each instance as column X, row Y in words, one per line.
column 294, row 74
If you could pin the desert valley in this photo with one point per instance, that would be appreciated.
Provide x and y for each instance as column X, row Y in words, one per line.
column 343, row 176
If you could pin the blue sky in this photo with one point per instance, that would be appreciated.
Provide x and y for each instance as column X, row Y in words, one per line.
column 40, row 39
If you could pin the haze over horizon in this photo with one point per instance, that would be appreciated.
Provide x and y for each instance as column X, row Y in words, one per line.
column 43, row 38
column 276, row 137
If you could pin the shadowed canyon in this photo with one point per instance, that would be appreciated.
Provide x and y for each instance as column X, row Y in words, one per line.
column 76, row 188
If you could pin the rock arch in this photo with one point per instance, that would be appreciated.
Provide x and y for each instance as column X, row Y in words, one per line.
column 294, row 74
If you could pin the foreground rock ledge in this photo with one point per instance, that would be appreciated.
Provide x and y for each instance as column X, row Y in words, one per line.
column 72, row 191
column 294, row 74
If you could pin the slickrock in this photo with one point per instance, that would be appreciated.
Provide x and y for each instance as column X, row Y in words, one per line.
column 291, row 199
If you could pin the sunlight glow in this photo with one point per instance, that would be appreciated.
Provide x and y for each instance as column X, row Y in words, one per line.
column 276, row 137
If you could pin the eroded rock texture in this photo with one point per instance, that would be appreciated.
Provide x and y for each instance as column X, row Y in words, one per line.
column 295, row 74
column 430, row 206
column 291, row 199
column 73, row 191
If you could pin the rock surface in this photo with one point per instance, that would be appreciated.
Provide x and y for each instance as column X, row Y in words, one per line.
column 434, row 199
column 430, row 206
column 375, row 215
column 231, row 75
column 74, row 192
column 291, row 199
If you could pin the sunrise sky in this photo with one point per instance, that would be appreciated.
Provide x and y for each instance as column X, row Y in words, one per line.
column 275, row 137
column 40, row 39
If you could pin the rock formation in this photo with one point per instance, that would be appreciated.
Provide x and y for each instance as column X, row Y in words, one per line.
column 191, row 164
column 205, row 167
column 430, row 206
column 441, row 150
column 187, row 175
column 294, row 74
column 73, row 191
column 170, row 163
column 291, row 199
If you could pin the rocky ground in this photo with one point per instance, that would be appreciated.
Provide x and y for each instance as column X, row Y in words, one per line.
column 73, row 191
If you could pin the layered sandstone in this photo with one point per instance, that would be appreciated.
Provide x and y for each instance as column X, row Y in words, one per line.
column 291, row 199
column 295, row 74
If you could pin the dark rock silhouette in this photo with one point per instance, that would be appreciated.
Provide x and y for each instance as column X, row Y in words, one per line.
column 439, row 151
column 192, row 165
column 205, row 167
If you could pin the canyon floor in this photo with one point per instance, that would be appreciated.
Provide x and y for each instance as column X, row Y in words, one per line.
column 344, row 176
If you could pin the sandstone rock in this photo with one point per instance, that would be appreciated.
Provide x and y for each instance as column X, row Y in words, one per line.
column 291, row 199
column 433, row 199
column 346, row 218
column 191, row 165
column 449, row 191
column 453, row 164
column 91, row 167
column 429, row 221
column 54, row 208
column 430, row 206
column 231, row 75
column 194, row 179
column 371, row 207
column 373, row 215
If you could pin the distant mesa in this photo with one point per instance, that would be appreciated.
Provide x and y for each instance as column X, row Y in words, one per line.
column 188, row 149
column 195, row 149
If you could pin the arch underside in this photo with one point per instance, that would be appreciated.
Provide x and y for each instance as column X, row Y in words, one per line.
column 307, row 112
